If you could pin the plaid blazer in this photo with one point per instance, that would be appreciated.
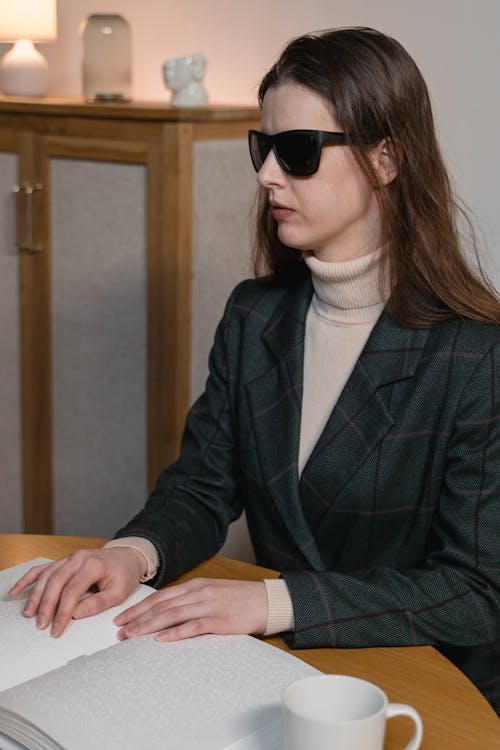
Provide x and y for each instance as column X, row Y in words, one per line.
column 391, row 536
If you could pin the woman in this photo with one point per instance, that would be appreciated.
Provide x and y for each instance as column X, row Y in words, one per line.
column 352, row 407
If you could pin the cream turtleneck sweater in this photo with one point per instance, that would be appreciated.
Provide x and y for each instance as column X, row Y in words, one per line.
column 345, row 306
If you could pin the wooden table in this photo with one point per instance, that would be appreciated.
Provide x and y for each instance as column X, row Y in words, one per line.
column 454, row 713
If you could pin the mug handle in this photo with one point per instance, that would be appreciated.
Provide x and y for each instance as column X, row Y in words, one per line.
column 400, row 709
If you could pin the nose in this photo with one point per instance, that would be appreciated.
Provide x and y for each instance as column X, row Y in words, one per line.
column 270, row 174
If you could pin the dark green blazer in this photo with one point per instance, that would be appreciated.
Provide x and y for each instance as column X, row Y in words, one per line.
column 391, row 536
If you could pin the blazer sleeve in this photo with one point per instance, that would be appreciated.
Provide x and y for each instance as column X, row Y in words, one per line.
column 188, row 513
column 454, row 597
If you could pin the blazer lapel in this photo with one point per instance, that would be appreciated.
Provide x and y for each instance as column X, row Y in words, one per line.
column 275, row 400
column 358, row 422
column 361, row 418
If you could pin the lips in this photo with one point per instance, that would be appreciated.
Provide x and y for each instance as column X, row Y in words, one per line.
column 280, row 212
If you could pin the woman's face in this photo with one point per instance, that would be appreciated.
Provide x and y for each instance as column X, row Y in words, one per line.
column 334, row 212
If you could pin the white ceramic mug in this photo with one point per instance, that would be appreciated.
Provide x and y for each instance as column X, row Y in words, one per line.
column 337, row 712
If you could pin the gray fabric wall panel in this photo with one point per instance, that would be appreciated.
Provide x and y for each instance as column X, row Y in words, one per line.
column 99, row 344
column 11, row 517
column 224, row 189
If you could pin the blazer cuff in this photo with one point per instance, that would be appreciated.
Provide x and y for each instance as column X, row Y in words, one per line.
column 280, row 608
column 147, row 550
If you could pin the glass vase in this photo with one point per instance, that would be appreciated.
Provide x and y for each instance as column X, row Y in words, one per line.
column 106, row 65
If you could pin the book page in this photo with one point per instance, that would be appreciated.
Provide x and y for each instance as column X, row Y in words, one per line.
column 210, row 692
column 26, row 652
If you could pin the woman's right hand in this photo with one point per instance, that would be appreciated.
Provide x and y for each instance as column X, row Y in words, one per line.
column 58, row 587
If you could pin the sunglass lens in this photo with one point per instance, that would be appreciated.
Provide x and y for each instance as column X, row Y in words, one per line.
column 260, row 147
column 298, row 153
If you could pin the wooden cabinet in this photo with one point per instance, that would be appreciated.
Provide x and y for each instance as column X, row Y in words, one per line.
column 111, row 215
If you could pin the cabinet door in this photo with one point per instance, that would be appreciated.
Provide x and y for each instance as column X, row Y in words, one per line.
column 99, row 335
column 11, row 507
column 84, row 336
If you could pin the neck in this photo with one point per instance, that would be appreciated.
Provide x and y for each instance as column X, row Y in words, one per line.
column 351, row 290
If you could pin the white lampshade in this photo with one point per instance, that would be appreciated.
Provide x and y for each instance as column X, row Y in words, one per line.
column 28, row 19
column 23, row 69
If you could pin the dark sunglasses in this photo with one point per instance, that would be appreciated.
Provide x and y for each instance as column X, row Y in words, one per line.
column 298, row 152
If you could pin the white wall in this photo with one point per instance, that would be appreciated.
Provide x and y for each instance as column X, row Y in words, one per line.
column 455, row 42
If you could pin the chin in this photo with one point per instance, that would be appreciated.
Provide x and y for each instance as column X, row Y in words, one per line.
column 290, row 239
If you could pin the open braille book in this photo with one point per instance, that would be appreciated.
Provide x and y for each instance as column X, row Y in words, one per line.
column 86, row 690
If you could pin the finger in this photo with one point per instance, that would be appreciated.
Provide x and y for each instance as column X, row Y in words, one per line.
column 158, row 605
column 139, row 609
column 95, row 603
column 202, row 626
column 36, row 593
column 158, row 619
column 28, row 578
column 70, row 596
column 65, row 583
column 47, row 593
column 165, row 595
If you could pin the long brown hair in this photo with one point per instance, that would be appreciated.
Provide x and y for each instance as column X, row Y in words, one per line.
column 374, row 86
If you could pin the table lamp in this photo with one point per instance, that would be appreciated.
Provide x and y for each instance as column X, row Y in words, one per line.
column 23, row 69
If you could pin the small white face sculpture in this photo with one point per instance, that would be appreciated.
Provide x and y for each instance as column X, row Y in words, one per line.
column 184, row 76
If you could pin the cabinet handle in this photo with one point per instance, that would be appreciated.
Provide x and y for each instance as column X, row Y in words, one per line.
column 24, row 197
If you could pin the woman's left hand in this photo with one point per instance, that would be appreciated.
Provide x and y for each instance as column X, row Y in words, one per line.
column 199, row 606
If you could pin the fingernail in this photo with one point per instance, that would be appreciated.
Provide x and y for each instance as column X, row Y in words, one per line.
column 28, row 611
column 41, row 622
column 56, row 630
column 118, row 620
column 162, row 637
column 122, row 635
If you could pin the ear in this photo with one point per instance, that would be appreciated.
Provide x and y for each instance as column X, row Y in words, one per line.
column 386, row 158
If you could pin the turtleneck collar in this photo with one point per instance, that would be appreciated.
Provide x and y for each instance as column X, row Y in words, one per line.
column 348, row 291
